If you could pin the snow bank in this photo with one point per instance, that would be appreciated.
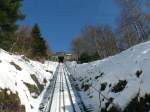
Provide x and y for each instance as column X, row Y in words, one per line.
column 15, row 71
column 131, row 66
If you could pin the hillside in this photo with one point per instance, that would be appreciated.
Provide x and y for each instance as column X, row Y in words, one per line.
column 22, row 81
column 117, row 83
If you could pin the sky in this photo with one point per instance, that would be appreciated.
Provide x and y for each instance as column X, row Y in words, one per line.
column 62, row 20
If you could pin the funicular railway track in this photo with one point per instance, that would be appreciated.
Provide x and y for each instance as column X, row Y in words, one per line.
column 64, row 103
column 61, row 98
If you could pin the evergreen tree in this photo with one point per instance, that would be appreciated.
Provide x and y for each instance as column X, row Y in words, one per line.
column 9, row 14
column 39, row 48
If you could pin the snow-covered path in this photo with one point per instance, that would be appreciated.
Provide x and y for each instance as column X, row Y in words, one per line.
column 62, row 97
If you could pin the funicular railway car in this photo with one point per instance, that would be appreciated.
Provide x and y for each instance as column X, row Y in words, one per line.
column 61, row 59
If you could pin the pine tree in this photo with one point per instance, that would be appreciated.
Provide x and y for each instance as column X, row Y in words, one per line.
column 39, row 48
column 9, row 14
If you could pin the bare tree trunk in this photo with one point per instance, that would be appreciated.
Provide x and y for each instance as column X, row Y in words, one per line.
column 97, row 46
column 142, row 31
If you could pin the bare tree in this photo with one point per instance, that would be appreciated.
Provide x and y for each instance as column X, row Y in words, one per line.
column 96, row 40
column 92, row 44
column 76, row 47
column 23, row 41
column 131, row 21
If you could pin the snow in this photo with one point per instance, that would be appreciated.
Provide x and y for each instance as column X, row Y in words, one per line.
column 111, row 70
column 122, row 66
column 14, row 79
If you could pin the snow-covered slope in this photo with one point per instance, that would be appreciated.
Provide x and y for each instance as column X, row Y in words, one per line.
column 16, row 72
column 118, row 79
